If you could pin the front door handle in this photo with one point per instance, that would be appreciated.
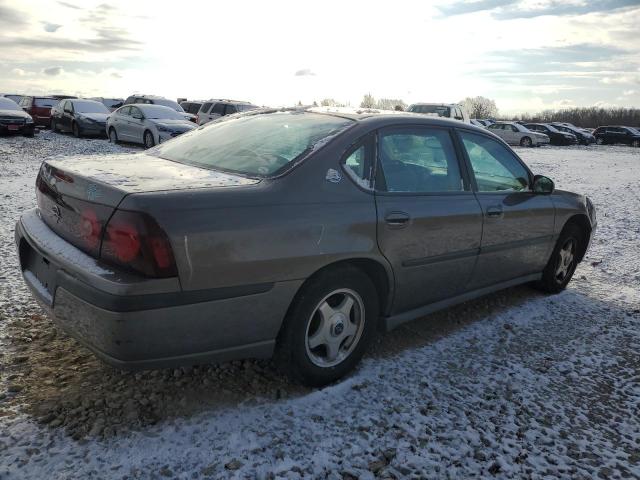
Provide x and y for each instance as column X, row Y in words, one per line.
column 397, row 219
column 495, row 211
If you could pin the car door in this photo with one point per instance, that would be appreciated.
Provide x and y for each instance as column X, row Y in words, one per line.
column 429, row 221
column 121, row 123
column 67, row 115
column 518, row 224
column 136, row 125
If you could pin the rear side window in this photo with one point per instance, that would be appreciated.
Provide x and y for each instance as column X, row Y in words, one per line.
column 495, row 168
column 205, row 107
column 230, row 110
column 357, row 163
column 419, row 160
column 218, row 109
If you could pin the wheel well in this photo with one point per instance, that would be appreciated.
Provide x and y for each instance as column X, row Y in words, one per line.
column 374, row 270
column 582, row 222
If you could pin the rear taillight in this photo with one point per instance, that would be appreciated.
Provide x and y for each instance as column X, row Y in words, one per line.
column 134, row 240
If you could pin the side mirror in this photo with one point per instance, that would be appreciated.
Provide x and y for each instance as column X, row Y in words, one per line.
column 543, row 185
column 138, row 117
column 68, row 110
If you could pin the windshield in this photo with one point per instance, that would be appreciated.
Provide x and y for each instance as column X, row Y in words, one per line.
column 168, row 103
column 7, row 104
column 88, row 106
column 440, row 110
column 254, row 144
column 159, row 112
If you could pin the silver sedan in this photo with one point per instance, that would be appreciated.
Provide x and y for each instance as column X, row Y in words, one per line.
column 146, row 124
column 516, row 134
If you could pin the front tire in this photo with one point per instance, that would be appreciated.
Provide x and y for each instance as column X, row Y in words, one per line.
column 526, row 142
column 329, row 326
column 600, row 141
column 54, row 126
column 563, row 262
column 75, row 128
column 635, row 143
column 148, row 139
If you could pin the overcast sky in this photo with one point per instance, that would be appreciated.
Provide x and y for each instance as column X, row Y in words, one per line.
column 526, row 55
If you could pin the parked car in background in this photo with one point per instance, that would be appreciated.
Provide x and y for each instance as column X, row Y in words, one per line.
column 516, row 134
column 39, row 108
column 156, row 100
column 191, row 106
column 214, row 109
column 13, row 119
column 477, row 123
column 276, row 213
column 556, row 137
column 584, row 136
column 146, row 124
column 12, row 96
column 82, row 117
column 617, row 134
column 111, row 103
column 445, row 110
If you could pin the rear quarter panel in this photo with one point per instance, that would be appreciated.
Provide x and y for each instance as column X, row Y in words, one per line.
column 278, row 230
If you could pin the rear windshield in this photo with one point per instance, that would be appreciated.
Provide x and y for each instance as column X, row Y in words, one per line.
column 8, row 104
column 439, row 110
column 160, row 112
column 259, row 145
column 168, row 103
column 87, row 106
column 46, row 102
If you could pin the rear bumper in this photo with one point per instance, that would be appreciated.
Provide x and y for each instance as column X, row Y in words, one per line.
column 135, row 323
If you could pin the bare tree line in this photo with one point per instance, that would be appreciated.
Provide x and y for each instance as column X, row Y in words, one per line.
column 589, row 117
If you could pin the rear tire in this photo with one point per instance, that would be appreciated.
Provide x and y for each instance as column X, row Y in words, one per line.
column 526, row 142
column 563, row 261
column 328, row 327
column 148, row 139
column 113, row 136
column 635, row 143
column 600, row 141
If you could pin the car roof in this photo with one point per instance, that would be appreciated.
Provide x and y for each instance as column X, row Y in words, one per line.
column 434, row 104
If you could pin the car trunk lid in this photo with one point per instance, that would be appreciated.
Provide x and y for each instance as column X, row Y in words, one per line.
column 77, row 197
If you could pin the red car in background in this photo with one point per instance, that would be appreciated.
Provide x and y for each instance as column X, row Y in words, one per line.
column 39, row 108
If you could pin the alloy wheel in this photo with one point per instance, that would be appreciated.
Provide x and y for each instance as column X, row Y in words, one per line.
column 565, row 260
column 334, row 328
column 148, row 140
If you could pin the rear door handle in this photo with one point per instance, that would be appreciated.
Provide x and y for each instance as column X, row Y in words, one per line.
column 397, row 219
column 495, row 211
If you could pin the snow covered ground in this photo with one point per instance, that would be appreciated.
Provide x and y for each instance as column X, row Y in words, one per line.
column 514, row 385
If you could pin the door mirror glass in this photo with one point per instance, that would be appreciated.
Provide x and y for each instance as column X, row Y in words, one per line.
column 542, row 184
column 137, row 116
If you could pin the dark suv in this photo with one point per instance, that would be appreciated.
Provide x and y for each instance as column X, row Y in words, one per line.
column 617, row 134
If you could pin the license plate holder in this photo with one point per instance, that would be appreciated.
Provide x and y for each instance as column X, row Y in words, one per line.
column 40, row 268
column 13, row 128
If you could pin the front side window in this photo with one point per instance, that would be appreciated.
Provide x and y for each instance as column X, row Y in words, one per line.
column 419, row 160
column 231, row 109
column 494, row 166
column 124, row 111
column 259, row 145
